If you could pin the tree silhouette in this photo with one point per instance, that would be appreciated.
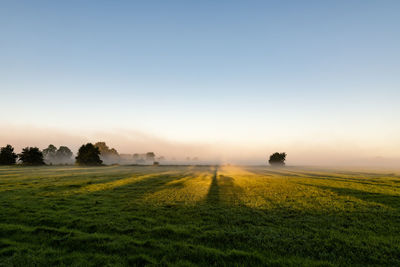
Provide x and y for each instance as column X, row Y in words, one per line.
column 63, row 155
column 88, row 155
column 150, row 156
column 31, row 156
column 49, row 154
column 109, row 156
column 277, row 159
column 7, row 155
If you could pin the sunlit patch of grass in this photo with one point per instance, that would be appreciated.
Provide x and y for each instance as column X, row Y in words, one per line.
column 288, row 189
column 189, row 190
column 198, row 215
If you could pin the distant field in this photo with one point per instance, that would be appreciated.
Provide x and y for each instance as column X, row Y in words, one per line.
column 137, row 215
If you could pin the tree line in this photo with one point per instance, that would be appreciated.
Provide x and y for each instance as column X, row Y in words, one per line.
column 88, row 154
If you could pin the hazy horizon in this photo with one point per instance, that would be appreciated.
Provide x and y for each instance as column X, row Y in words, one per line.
column 130, row 142
column 225, row 82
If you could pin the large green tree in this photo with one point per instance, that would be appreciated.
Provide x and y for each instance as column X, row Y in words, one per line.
column 7, row 155
column 31, row 156
column 88, row 155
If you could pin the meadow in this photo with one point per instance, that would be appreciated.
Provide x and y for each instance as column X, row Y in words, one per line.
column 198, row 215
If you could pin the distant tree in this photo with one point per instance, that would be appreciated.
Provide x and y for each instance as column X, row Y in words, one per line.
column 63, row 155
column 150, row 156
column 105, row 150
column 7, row 155
column 109, row 156
column 136, row 156
column 31, row 156
column 88, row 155
column 277, row 159
column 49, row 154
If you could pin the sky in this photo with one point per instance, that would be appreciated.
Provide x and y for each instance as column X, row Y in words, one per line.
column 229, row 81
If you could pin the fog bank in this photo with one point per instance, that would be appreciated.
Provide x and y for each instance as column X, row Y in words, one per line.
column 337, row 153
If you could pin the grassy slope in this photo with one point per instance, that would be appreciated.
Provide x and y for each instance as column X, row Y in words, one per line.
column 197, row 215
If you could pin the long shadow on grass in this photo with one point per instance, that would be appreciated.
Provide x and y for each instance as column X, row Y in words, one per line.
column 347, row 175
column 324, row 176
column 354, row 180
column 149, row 185
column 284, row 171
column 202, row 236
column 385, row 199
column 276, row 171
column 223, row 190
column 213, row 192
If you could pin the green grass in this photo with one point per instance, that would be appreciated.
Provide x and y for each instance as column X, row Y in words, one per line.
column 185, row 215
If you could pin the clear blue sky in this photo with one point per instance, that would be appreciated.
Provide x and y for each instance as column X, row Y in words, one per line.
column 319, row 73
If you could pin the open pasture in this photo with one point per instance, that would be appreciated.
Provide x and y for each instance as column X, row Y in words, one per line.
column 198, row 215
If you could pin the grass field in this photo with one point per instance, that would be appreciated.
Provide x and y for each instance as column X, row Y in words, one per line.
column 186, row 215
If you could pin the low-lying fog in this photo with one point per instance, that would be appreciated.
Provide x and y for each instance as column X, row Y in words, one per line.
column 344, row 153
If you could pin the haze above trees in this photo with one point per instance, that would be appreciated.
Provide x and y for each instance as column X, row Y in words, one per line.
column 62, row 155
column 95, row 155
column 107, row 155
column 88, row 154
